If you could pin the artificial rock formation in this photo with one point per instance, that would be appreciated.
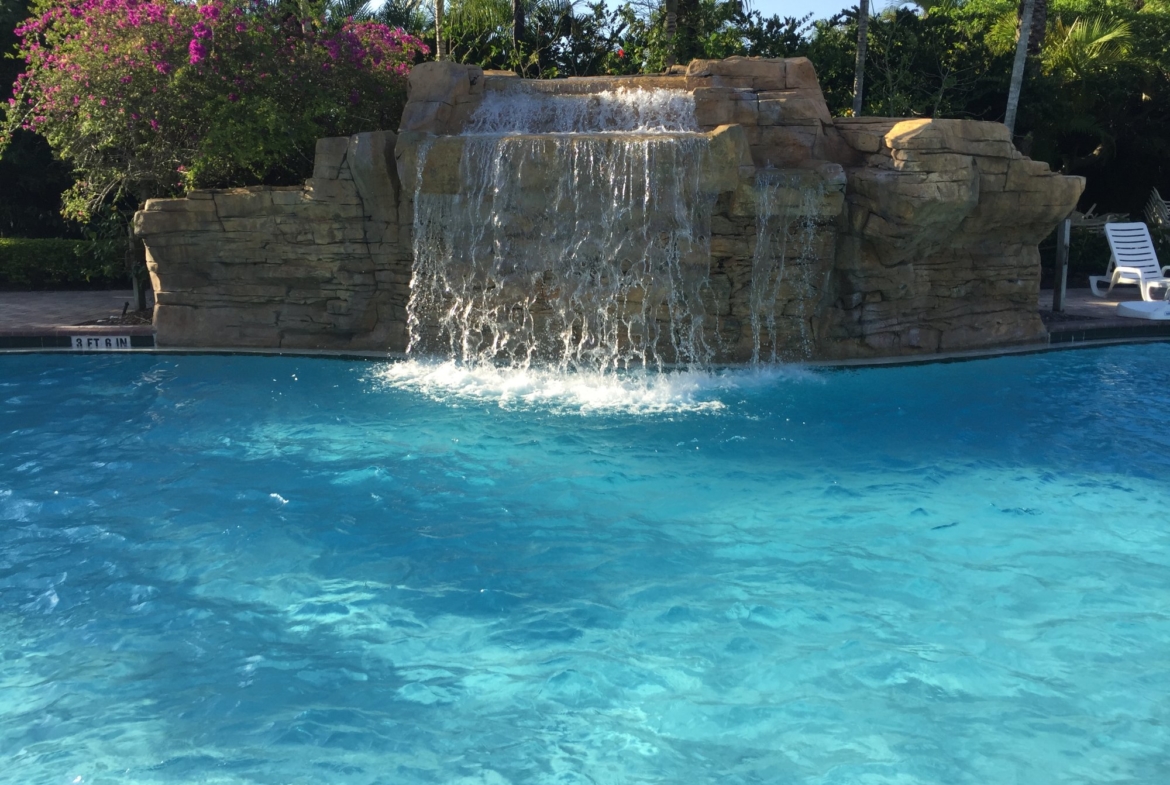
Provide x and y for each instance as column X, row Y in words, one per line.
column 319, row 266
column 937, row 244
column 871, row 236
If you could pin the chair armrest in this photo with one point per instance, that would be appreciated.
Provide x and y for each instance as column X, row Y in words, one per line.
column 1164, row 269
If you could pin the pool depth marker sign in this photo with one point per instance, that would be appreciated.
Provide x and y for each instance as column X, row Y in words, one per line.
column 101, row 343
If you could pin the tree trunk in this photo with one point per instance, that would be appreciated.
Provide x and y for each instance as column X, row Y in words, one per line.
column 862, row 43
column 440, row 50
column 136, row 265
column 1039, row 27
column 517, row 23
column 1009, row 118
column 671, row 26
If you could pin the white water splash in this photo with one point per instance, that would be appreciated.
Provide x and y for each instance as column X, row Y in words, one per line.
column 636, row 392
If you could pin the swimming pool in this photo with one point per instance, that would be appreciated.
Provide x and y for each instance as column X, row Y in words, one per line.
column 229, row 569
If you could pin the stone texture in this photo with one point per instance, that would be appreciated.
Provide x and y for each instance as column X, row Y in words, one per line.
column 442, row 97
column 330, row 155
column 937, row 248
column 317, row 267
column 896, row 236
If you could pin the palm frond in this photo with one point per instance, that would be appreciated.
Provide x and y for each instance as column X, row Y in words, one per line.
column 1089, row 44
column 341, row 10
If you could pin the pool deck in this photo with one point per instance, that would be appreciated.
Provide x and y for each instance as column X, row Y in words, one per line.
column 1094, row 319
column 48, row 320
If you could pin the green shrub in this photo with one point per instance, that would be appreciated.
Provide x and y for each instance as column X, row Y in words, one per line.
column 146, row 98
column 60, row 264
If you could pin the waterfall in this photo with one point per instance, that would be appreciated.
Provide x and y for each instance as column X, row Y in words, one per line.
column 623, row 110
column 582, row 250
column 587, row 252
column 786, row 231
column 574, row 230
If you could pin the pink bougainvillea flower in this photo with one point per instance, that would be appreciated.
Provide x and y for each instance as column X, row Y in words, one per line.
column 131, row 53
column 197, row 51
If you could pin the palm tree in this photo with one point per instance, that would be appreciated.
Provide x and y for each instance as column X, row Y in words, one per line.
column 1088, row 44
column 440, row 50
column 1039, row 27
column 862, row 42
column 670, row 25
column 338, row 11
column 407, row 14
column 1074, row 53
column 517, row 25
column 1021, row 59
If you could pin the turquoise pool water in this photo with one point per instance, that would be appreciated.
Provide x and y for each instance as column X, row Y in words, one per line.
column 283, row 570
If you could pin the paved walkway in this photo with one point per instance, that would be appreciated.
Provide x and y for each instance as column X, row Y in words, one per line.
column 1089, row 318
column 57, row 313
column 1082, row 304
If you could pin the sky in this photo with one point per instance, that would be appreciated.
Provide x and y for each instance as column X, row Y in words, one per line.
column 821, row 9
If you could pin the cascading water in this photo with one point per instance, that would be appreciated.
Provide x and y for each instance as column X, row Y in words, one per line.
column 786, row 232
column 574, row 232
column 580, row 235
column 624, row 110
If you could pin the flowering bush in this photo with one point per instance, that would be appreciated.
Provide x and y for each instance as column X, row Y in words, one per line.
column 148, row 97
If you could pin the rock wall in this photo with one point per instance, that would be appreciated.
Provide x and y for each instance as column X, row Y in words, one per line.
column 937, row 245
column 319, row 266
column 874, row 236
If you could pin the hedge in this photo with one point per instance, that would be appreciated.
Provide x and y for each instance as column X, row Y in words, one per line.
column 60, row 264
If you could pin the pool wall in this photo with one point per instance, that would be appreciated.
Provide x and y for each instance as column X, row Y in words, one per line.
column 921, row 236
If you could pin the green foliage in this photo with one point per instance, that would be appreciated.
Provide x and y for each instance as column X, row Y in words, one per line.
column 560, row 38
column 60, row 264
column 563, row 38
column 1095, row 102
column 150, row 97
column 934, row 64
column 706, row 29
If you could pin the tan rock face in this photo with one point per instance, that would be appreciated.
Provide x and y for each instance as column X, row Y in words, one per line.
column 316, row 267
column 938, row 244
column 829, row 237
column 442, row 97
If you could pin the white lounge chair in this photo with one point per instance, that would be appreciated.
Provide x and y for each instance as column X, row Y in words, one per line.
column 1133, row 261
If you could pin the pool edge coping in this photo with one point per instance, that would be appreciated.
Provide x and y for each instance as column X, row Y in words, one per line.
column 865, row 362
